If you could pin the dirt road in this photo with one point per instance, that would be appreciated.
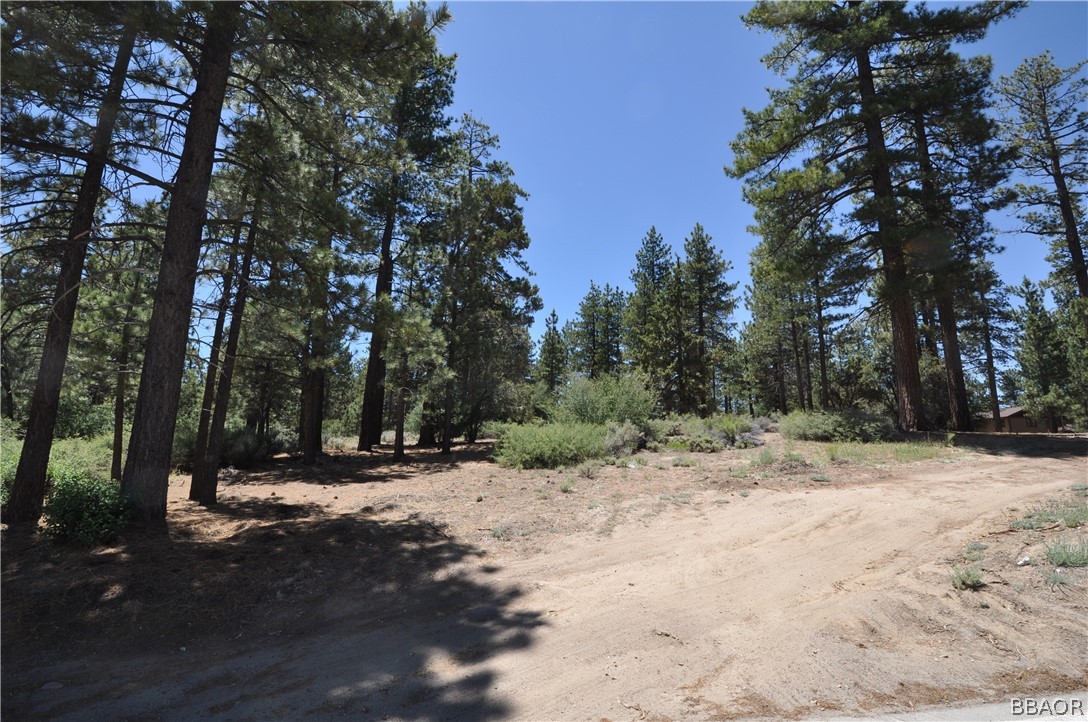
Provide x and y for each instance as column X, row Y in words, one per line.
column 692, row 595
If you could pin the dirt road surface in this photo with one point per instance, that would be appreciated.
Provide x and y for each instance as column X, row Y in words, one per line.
column 700, row 587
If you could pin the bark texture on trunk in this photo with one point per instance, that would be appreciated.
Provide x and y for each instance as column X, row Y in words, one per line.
column 370, row 418
column 991, row 372
column 196, row 482
column 147, row 468
column 959, row 410
column 908, row 382
column 28, row 491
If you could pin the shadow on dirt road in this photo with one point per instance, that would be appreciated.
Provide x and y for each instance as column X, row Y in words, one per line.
column 287, row 613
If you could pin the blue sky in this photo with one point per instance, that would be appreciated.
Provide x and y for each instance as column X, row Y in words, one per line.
column 617, row 116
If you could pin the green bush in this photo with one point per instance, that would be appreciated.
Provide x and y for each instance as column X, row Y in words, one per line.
column 713, row 433
column 839, row 425
column 242, row 447
column 550, row 445
column 621, row 439
column 609, row 398
column 82, row 508
column 9, row 461
column 77, row 418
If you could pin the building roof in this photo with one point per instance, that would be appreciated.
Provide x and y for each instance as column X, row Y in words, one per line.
column 1011, row 411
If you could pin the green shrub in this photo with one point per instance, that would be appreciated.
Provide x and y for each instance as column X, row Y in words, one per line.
column 1064, row 554
column 621, row 439
column 969, row 578
column 839, row 425
column 549, row 446
column 608, row 398
column 705, row 445
column 76, row 417
column 242, row 447
column 9, row 461
column 84, row 509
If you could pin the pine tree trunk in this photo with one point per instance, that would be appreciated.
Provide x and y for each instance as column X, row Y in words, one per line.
column 1069, row 219
column 121, row 385
column 908, row 382
column 196, row 482
column 795, row 343
column 991, row 372
column 780, row 377
column 147, row 468
column 402, row 392
column 821, row 352
column 313, row 391
column 28, row 491
column 958, row 404
column 370, row 418
column 209, row 461
column 806, row 346
column 119, row 404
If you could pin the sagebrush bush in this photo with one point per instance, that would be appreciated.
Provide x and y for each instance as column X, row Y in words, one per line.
column 549, row 446
column 82, row 508
column 242, row 447
column 621, row 439
column 837, row 425
column 608, row 398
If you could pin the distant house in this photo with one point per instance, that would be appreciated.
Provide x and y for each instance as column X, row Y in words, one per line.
column 1015, row 420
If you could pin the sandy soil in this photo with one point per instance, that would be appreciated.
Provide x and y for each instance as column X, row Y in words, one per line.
column 454, row 589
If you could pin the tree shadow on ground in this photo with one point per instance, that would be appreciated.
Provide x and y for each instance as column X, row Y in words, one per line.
column 283, row 617
column 360, row 467
column 1032, row 445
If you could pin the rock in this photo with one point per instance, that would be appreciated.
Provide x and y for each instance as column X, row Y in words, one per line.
column 1023, row 561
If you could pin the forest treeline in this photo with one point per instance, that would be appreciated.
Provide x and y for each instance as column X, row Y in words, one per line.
column 208, row 206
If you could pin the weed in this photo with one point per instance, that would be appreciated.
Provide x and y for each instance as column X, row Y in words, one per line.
column 1070, row 512
column 766, row 457
column 685, row 461
column 922, row 451
column 588, row 469
column 832, row 451
column 566, row 487
column 792, row 456
column 968, row 578
column 1057, row 579
column 820, row 477
column 744, row 493
column 1064, row 554
column 974, row 551
column 1079, row 489
column 738, row 473
column 502, row 532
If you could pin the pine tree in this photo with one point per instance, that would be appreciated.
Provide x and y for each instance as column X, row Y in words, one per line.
column 710, row 304
column 594, row 337
column 552, row 364
column 28, row 491
column 643, row 336
column 847, row 87
column 1044, row 368
column 1046, row 122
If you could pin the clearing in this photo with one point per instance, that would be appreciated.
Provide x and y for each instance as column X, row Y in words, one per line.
column 796, row 580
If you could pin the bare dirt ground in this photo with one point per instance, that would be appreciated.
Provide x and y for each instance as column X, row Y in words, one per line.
column 676, row 586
